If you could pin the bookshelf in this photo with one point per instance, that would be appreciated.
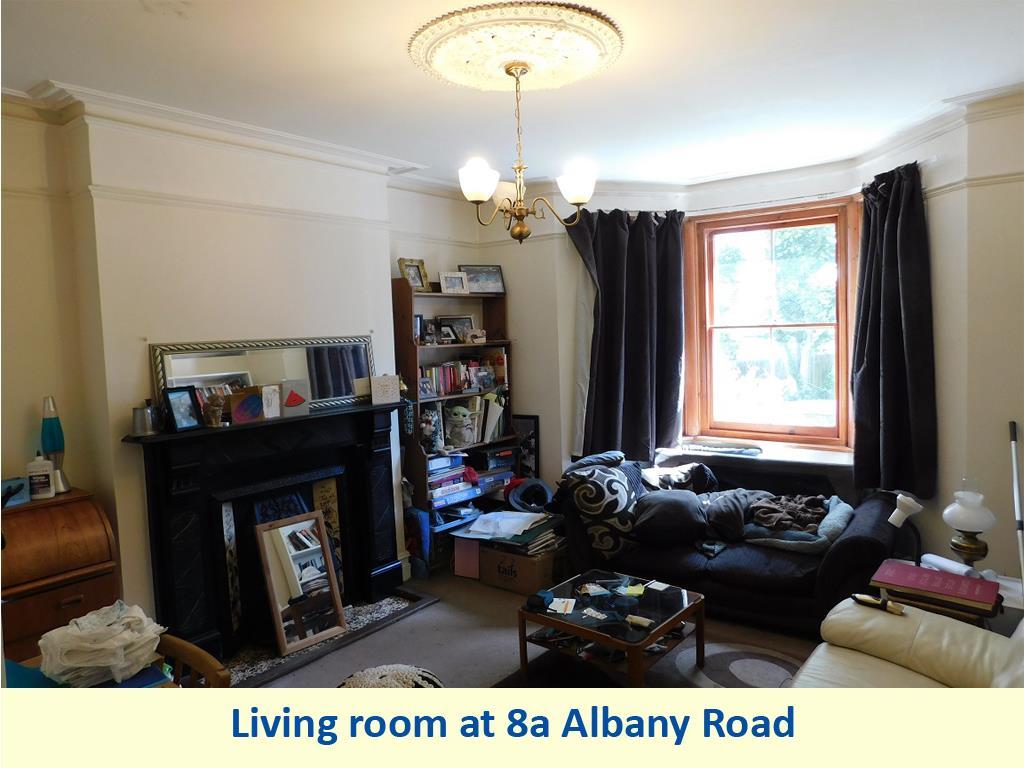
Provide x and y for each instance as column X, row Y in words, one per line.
column 490, row 310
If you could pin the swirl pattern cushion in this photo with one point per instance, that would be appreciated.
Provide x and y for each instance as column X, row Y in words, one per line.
column 604, row 499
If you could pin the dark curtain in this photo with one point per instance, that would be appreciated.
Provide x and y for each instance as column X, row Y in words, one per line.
column 333, row 370
column 637, row 349
column 893, row 372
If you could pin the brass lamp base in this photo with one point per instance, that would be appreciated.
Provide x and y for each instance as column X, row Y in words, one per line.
column 968, row 547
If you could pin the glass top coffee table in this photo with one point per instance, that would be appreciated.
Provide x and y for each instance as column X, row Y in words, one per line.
column 613, row 626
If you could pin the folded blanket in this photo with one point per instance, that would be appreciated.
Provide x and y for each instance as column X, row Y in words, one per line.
column 789, row 513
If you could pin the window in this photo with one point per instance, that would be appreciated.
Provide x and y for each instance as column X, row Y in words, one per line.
column 768, row 335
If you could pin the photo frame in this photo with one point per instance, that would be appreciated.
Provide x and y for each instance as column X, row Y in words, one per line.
column 426, row 389
column 302, row 588
column 460, row 325
column 448, row 335
column 430, row 333
column 454, row 282
column 183, row 409
column 415, row 271
column 527, row 429
column 484, row 278
column 417, row 328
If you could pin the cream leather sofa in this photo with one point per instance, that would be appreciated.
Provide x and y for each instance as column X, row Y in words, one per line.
column 869, row 648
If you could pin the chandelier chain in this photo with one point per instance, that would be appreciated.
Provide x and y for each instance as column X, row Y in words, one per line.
column 519, row 124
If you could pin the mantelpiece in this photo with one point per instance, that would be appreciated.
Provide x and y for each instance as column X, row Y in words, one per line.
column 191, row 476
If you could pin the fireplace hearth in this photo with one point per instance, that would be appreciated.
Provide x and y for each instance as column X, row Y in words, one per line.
column 202, row 488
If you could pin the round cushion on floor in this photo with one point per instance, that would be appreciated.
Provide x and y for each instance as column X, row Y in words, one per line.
column 392, row 676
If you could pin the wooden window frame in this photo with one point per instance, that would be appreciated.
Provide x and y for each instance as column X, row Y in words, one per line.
column 845, row 212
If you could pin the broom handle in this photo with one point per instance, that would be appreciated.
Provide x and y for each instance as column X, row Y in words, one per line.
column 1016, row 499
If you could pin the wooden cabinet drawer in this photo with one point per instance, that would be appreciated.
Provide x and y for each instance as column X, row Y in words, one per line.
column 27, row 618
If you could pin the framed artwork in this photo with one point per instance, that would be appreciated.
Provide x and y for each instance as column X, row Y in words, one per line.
column 454, row 282
column 460, row 325
column 448, row 335
column 527, row 429
column 484, row 278
column 415, row 271
column 183, row 411
column 247, row 405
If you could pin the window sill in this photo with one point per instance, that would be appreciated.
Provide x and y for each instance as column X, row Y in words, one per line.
column 773, row 454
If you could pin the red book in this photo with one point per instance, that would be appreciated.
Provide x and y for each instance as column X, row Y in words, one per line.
column 895, row 576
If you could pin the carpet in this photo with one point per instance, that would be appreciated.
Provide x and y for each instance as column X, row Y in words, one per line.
column 726, row 665
column 257, row 665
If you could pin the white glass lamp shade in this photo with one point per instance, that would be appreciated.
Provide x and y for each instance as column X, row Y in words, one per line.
column 478, row 180
column 906, row 507
column 968, row 513
column 577, row 183
column 505, row 191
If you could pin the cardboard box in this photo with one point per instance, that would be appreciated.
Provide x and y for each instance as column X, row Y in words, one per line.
column 517, row 573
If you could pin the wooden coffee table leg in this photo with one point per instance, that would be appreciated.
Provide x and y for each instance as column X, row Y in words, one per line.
column 523, row 660
column 635, row 661
column 700, row 635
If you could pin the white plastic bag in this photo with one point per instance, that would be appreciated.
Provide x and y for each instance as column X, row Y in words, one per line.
column 112, row 642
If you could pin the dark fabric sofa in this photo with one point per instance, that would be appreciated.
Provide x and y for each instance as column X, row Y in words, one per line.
column 752, row 583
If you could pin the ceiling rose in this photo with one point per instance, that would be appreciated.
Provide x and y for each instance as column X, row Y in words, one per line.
column 559, row 42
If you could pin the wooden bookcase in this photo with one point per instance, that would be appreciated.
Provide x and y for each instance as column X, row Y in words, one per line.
column 410, row 355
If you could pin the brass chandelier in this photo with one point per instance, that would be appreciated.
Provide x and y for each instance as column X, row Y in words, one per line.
column 489, row 46
column 479, row 182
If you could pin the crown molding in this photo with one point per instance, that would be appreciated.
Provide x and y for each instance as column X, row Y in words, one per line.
column 425, row 185
column 74, row 100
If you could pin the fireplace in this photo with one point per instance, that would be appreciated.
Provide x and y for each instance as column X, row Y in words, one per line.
column 202, row 490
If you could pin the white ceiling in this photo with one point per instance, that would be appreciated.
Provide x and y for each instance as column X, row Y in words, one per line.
column 704, row 88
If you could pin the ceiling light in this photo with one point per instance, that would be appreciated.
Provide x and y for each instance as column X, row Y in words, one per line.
column 492, row 47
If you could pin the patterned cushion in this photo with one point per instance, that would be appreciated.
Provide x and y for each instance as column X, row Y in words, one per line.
column 604, row 499
column 392, row 676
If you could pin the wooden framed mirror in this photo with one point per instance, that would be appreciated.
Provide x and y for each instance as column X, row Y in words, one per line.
column 302, row 589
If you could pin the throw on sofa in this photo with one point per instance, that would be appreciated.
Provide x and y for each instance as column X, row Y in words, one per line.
column 789, row 587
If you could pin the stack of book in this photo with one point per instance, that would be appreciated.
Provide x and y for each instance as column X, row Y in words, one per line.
column 536, row 540
column 446, row 481
column 960, row 597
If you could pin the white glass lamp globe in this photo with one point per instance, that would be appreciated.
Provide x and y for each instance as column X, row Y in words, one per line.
column 968, row 513
column 577, row 182
column 478, row 180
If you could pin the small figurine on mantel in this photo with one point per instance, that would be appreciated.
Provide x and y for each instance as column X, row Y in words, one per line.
column 214, row 410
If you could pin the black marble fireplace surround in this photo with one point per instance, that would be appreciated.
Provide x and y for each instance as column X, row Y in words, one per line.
column 190, row 475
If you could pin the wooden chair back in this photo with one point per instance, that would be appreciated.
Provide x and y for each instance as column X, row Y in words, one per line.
column 192, row 666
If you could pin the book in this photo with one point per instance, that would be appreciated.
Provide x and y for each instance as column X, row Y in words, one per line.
column 448, row 490
column 436, row 463
column 454, row 498
column 895, row 576
column 959, row 612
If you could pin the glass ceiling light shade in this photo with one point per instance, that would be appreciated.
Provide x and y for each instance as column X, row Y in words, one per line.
column 478, row 180
column 559, row 43
column 577, row 183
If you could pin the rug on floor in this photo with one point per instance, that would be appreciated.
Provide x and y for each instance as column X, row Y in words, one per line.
column 256, row 665
column 726, row 665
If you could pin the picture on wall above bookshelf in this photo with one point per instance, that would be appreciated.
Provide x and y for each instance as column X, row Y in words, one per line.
column 461, row 393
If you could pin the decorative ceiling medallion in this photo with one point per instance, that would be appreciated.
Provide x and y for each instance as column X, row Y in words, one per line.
column 559, row 42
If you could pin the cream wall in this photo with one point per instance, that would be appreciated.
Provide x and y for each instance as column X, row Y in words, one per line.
column 119, row 225
column 39, row 336
column 121, row 231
